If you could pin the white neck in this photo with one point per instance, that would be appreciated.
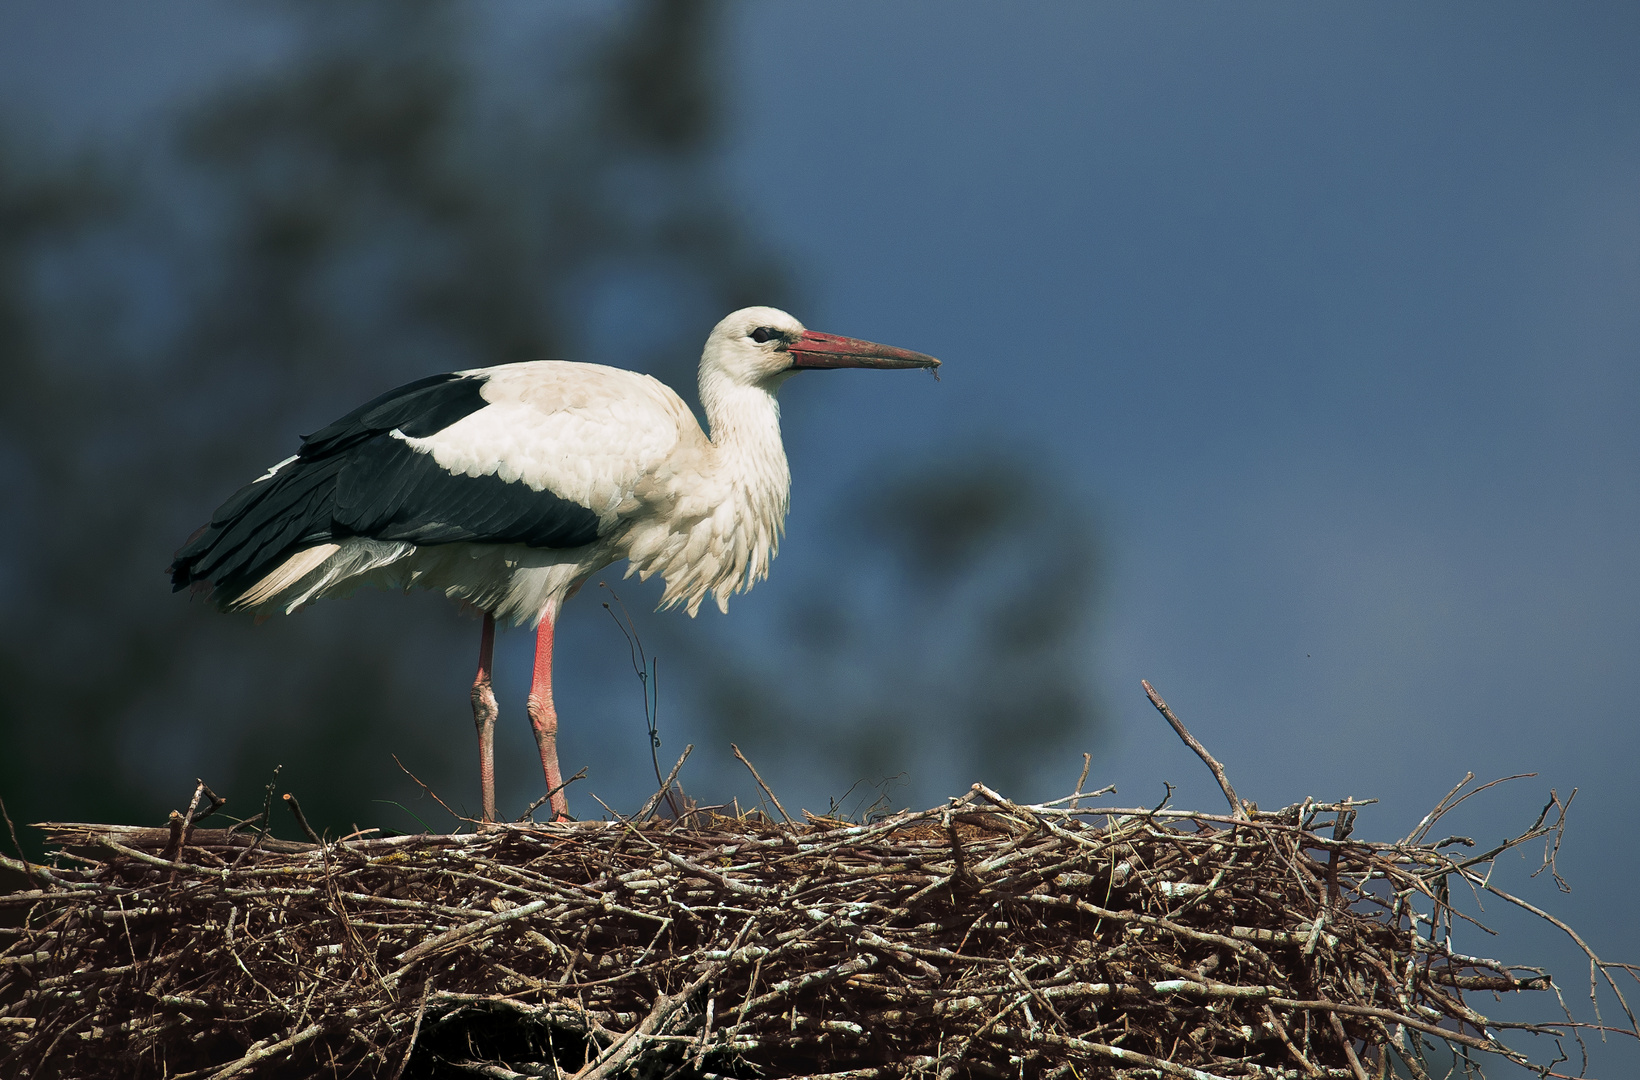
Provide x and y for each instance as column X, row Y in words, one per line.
column 737, row 413
column 748, row 461
column 745, row 432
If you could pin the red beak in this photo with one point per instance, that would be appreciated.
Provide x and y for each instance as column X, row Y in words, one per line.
column 817, row 350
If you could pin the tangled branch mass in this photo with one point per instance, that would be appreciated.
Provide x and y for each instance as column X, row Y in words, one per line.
column 980, row 938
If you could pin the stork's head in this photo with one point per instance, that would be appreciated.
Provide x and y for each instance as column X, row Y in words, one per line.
column 761, row 346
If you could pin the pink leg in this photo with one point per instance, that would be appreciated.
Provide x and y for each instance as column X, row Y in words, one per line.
column 484, row 713
column 544, row 717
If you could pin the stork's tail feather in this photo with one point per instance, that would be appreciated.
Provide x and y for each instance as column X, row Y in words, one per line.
column 263, row 540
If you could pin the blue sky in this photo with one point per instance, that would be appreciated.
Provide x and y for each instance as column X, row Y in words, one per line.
column 1331, row 315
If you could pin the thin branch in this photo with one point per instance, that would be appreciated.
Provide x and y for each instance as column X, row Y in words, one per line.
column 22, row 856
column 666, row 786
column 1236, row 808
column 430, row 791
column 529, row 811
column 761, row 784
column 301, row 818
column 1087, row 763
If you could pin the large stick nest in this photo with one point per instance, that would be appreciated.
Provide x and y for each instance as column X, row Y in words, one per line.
column 979, row 938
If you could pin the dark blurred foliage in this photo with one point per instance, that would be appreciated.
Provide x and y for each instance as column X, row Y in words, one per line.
column 366, row 213
column 951, row 640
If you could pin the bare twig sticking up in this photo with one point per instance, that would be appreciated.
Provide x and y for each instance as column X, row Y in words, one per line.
column 581, row 774
column 1236, row 808
column 301, row 818
column 427, row 789
column 666, row 785
column 760, row 783
column 1087, row 763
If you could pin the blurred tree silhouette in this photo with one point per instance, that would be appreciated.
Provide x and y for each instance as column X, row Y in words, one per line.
column 359, row 217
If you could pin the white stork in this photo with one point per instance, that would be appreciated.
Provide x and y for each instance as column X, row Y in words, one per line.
column 507, row 487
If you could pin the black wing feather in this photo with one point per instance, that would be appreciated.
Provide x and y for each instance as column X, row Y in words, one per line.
column 354, row 478
column 419, row 409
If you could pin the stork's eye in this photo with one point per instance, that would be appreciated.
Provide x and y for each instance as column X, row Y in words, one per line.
column 764, row 333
